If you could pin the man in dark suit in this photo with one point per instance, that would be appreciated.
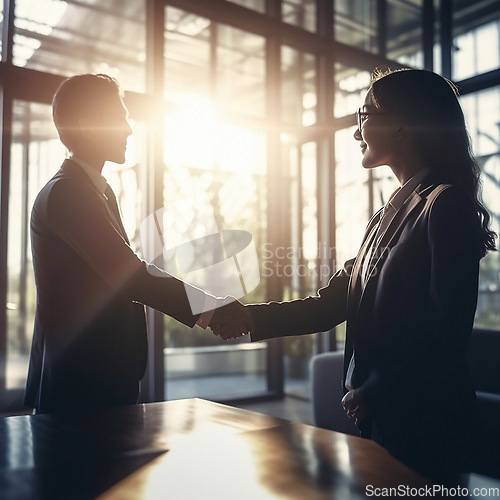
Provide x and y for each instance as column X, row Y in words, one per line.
column 90, row 340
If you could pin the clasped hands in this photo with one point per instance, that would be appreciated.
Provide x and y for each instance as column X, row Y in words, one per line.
column 231, row 320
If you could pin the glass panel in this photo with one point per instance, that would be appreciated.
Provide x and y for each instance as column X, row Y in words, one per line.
column 214, row 181
column 384, row 184
column 476, row 49
column 259, row 5
column 356, row 23
column 298, row 261
column 82, row 37
column 309, row 206
column 127, row 181
column 187, row 55
column 351, row 86
column 351, row 195
column 298, row 87
column 219, row 185
column 36, row 154
column 297, row 265
column 351, row 202
column 301, row 13
column 404, row 32
column 240, row 78
column 482, row 111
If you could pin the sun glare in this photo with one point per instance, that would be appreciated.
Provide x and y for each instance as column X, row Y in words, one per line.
column 192, row 133
column 197, row 136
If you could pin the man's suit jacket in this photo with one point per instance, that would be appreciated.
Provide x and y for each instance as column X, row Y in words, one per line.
column 408, row 323
column 90, row 341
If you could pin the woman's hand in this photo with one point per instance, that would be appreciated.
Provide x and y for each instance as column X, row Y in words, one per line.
column 354, row 405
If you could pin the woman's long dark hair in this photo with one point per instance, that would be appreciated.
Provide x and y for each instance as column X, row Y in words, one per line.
column 428, row 104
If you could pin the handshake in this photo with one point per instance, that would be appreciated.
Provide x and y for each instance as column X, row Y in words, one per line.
column 231, row 320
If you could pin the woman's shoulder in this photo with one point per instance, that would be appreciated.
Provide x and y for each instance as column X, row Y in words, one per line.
column 451, row 210
column 445, row 196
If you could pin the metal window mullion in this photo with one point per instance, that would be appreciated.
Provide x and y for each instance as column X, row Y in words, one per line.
column 381, row 7
column 381, row 27
column 428, row 33
column 446, row 37
column 325, row 178
column 8, row 31
column 275, row 382
column 273, row 9
column 6, row 127
column 300, row 220
column 214, row 32
column 153, row 387
column 23, row 275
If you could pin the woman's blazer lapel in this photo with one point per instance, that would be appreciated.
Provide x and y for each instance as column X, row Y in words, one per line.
column 355, row 279
column 389, row 237
column 394, row 229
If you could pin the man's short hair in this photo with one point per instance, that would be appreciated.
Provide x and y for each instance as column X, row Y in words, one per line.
column 81, row 96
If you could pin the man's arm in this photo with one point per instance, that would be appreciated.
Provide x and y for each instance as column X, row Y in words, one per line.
column 78, row 217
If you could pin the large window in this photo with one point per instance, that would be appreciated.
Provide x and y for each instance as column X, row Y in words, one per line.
column 243, row 119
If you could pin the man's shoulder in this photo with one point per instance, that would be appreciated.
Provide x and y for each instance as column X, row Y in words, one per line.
column 69, row 174
column 67, row 185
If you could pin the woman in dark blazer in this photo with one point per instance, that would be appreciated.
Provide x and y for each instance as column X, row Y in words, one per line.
column 409, row 297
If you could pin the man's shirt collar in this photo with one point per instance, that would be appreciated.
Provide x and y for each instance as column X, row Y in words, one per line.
column 95, row 176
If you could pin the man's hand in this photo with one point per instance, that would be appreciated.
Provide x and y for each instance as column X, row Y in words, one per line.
column 354, row 405
column 232, row 320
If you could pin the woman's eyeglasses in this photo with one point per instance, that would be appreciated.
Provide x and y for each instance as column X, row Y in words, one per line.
column 362, row 116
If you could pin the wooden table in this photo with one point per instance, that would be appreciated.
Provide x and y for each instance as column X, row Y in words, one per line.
column 187, row 449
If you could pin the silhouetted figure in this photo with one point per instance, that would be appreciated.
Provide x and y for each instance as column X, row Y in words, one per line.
column 90, row 340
